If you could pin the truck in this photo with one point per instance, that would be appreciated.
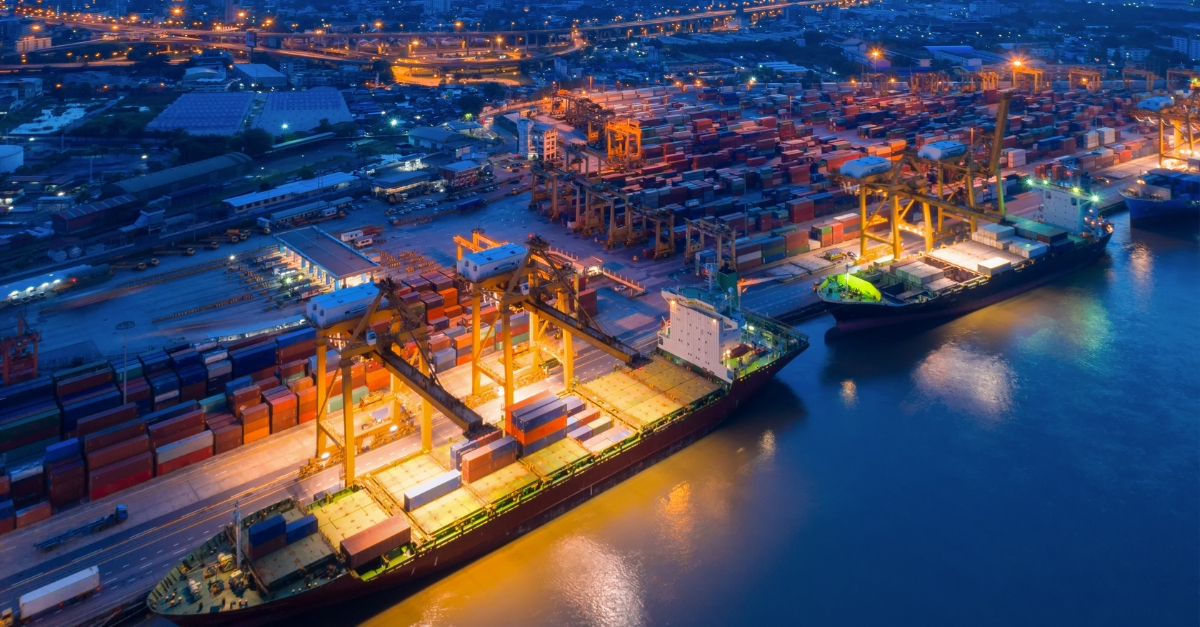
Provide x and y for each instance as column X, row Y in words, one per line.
column 56, row 594
column 470, row 204
column 119, row 515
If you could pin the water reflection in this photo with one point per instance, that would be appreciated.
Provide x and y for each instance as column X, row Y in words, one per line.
column 677, row 524
column 849, row 394
column 602, row 586
column 967, row 381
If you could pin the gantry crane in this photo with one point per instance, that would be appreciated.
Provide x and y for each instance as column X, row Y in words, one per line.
column 1182, row 120
column 20, row 353
column 1085, row 78
column 1128, row 74
column 582, row 113
column 977, row 81
column 947, row 185
column 929, row 83
column 551, row 293
column 721, row 233
column 1191, row 78
column 1027, row 77
column 623, row 139
column 358, row 338
column 478, row 242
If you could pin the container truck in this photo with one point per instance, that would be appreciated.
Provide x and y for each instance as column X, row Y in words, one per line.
column 58, row 593
column 120, row 514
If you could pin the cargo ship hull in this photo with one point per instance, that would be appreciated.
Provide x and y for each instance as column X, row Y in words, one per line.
column 852, row 317
column 1146, row 210
column 551, row 503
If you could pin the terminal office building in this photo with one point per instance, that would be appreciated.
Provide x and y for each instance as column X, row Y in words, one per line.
column 328, row 260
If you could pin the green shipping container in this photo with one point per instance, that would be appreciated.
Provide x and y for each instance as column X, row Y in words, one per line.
column 31, row 424
column 799, row 250
column 77, row 371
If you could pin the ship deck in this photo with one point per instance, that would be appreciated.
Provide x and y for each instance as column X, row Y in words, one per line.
column 636, row 401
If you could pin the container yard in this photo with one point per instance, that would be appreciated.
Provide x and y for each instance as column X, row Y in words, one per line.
column 924, row 196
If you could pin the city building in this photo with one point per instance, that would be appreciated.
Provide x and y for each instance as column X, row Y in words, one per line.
column 206, row 79
column 537, row 140
column 437, row 138
column 460, row 173
column 33, row 44
column 391, row 184
column 326, row 258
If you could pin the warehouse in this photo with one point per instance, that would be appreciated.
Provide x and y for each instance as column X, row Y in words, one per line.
column 395, row 182
column 291, row 111
column 259, row 75
column 288, row 192
column 327, row 259
column 83, row 217
column 216, row 170
column 205, row 114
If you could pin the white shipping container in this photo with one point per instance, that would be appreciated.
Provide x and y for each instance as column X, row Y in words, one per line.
column 993, row 266
column 52, row 594
column 350, row 236
column 186, row 446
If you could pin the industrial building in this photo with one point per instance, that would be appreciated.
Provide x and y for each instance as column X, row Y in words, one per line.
column 537, row 140
column 299, row 190
column 205, row 114
column 437, row 138
column 394, row 182
column 460, row 173
column 209, row 171
column 326, row 258
column 290, row 111
column 259, row 75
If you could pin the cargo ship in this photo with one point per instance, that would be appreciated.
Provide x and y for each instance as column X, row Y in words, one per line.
column 999, row 261
column 1163, row 195
column 438, row 510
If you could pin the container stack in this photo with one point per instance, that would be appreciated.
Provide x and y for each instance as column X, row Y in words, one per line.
column 176, row 427
column 432, row 489
column 282, row 405
column 65, row 473
column 253, row 361
column 587, row 301
column 538, row 424
column 607, row 439
column 165, row 388
column 520, row 330
column 8, row 520
column 118, row 457
column 591, row 428
column 128, row 376
column 487, row 458
column 83, row 391
column 995, row 235
column 184, row 452
column 267, row 536
column 300, row 528
column 918, row 273
column 27, row 484
column 30, row 419
column 33, row 514
column 256, row 422
column 374, row 542
column 227, row 432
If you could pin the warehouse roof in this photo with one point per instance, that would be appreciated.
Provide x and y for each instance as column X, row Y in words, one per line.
column 295, row 188
column 205, row 113
column 400, row 177
column 460, row 166
column 302, row 110
column 327, row 252
column 99, row 205
column 182, row 173
column 430, row 133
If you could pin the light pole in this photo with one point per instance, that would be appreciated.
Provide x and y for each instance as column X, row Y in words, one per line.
column 124, row 328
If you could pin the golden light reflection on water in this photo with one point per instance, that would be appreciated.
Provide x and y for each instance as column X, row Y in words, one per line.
column 603, row 586
column 849, row 394
column 966, row 380
column 1141, row 266
column 677, row 524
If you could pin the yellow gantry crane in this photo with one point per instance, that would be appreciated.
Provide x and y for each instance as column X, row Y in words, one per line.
column 1129, row 74
column 907, row 185
column 1084, row 78
column 1181, row 120
column 543, row 286
column 355, row 338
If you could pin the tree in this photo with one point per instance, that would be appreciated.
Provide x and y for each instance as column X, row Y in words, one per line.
column 345, row 129
column 470, row 103
column 255, row 141
column 382, row 67
column 494, row 91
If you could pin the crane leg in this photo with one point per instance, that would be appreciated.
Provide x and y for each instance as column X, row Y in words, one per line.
column 322, row 401
column 476, row 388
column 426, row 412
column 506, row 320
column 351, row 445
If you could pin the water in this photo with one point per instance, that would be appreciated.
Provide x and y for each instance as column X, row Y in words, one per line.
column 1034, row 463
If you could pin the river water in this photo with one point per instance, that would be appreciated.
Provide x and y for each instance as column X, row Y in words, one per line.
column 1034, row 463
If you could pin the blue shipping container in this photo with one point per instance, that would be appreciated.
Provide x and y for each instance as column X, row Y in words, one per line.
column 300, row 529
column 62, row 450
column 538, row 445
column 11, row 395
column 267, row 530
column 237, row 384
column 295, row 337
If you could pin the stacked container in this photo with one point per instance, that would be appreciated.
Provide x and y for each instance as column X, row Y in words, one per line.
column 267, row 536
column 30, row 419
column 27, row 484
column 65, row 473
column 253, row 361
column 227, row 432
column 538, row 424
column 183, row 452
column 374, row 542
column 282, row 405
column 487, row 458
column 432, row 489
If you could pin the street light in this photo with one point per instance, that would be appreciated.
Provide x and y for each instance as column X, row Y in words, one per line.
column 1016, row 64
column 124, row 328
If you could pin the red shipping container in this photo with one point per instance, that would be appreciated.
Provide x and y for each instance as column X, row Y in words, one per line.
column 227, row 438
column 485, row 466
column 185, row 422
column 118, row 433
column 307, row 416
column 7, row 525
column 291, row 368
column 184, row 461
column 254, row 413
column 74, row 385
column 118, row 452
column 117, row 485
column 168, row 438
column 301, row 384
column 106, row 419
